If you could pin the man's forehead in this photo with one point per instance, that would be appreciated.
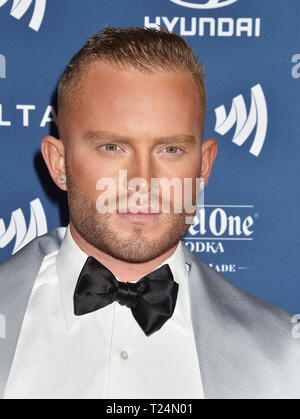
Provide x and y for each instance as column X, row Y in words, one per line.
column 104, row 73
column 107, row 88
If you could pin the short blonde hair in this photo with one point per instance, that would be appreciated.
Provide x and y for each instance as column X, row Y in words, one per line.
column 145, row 49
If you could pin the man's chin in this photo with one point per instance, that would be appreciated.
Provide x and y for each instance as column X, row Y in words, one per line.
column 134, row 241
column 138, row 236
column 135, row 245
column 139, row 221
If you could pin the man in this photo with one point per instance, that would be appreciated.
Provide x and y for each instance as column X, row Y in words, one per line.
column 116, row 306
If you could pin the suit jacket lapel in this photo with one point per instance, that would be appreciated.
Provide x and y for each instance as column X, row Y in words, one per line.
column 203, row 318
column 17, row 277
column 244, row 344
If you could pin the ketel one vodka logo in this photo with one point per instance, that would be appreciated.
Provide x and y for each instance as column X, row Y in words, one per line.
column 20, row 7
column 208, row 4
column 216, row 225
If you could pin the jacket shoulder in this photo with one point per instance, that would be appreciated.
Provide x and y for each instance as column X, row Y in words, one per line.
column 232, row 299
column 251, row 341
column 30, row 256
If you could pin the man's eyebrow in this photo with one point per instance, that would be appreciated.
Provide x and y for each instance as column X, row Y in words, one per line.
column 103, row 135
column 110, row 136
column 180, row 138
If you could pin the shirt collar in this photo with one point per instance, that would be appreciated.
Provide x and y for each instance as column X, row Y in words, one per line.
column 69, row 263
column 71, row 259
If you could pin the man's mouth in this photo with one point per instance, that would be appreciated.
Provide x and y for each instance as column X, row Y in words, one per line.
column 139, row 215
column 139, row 210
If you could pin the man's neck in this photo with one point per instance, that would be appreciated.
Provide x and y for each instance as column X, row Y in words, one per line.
column 124, row 271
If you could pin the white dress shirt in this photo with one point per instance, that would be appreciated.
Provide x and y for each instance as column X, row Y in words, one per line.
column 104, row 354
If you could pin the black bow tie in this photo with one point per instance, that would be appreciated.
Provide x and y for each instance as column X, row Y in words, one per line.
column 152, row 299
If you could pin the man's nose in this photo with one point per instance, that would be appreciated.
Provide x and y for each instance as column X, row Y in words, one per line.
column 142, row 168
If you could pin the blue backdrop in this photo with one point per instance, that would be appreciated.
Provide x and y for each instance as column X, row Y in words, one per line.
column 248, row 230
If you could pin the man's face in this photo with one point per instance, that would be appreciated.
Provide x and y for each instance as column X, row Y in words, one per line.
column 146, row 124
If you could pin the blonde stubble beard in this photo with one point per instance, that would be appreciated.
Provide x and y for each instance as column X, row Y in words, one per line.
column 96, row 229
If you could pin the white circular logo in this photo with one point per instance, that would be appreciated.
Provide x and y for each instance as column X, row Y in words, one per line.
column 210, row 4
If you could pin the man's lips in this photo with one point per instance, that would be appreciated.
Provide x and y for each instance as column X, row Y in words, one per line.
column 138, row 216
column 138, row 211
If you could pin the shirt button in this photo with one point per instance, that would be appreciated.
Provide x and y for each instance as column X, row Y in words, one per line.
column 124, row 355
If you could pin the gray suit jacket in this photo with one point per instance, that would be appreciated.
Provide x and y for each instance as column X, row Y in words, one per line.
column 244, row 344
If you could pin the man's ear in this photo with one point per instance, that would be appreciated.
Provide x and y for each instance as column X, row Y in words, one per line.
column 53, row 152
column 209, row 153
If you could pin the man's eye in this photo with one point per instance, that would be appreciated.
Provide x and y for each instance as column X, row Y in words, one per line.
column 172, row 150
column 111, row 147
